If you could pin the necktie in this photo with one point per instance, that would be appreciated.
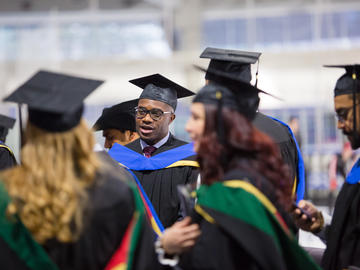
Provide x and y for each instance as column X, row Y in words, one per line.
column 148, row 150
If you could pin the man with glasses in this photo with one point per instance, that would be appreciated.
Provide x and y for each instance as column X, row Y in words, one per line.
column 160, row 161
column 342, row 234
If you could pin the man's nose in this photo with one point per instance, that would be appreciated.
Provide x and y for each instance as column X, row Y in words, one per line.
column 340, row 124
column 147, row 118
column 107, row 144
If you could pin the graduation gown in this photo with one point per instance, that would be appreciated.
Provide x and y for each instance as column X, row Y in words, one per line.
column 107, row 219
column 161, row 185
column 281, row 137
column 18, row 249
column 242, row 229
column 286, row 142
column 7, row 158
column 343, row 235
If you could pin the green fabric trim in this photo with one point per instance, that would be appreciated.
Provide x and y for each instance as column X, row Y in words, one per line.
column 244, row 206
column 136, row 233
column 19, row 239
column 240, row 204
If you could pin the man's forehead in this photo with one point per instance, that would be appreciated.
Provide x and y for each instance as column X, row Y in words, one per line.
column 154, row 104
column 344, row 101
column 109, row 131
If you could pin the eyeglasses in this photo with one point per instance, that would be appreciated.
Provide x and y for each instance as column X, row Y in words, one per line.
column 155, row 114
column 342, row 114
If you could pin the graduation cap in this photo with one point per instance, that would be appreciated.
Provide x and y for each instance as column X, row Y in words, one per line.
column 6, row 123
column 228, row 90
column 160, row 88
column 349, row 82
column 120, row 116
column 55, row 100
column 233, row 62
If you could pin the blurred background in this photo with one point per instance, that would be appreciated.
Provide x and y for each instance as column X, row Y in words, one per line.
column 119, row 40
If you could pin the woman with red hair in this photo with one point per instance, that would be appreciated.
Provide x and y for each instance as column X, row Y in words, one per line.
column 245, row 192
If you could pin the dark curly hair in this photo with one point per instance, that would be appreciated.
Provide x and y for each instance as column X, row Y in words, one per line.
column 244, row 148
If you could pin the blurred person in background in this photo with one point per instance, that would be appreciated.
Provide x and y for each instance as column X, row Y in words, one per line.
column 295, row 127
column 245, row 191
column 82, row 213
column 7, row 158
column 238, row 63
column 339, row 167
column 158, row 159
column 341, row 233
column 118, row 124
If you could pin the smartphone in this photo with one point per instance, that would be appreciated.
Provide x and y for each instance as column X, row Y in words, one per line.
column 187, row 203
column 303, row 211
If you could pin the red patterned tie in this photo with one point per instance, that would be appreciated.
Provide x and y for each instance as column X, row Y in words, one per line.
column 148, row 150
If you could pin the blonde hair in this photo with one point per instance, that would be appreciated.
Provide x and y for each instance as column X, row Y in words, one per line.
column 48, row 188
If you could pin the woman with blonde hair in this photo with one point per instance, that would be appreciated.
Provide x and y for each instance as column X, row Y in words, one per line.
column 77, row 208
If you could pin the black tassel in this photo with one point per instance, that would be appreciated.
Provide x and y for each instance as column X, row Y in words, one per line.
column 356, row 135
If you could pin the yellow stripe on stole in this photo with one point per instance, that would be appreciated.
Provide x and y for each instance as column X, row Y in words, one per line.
column 253, row 190
column 155, row 226
column 122, row 165
column 205, row 215
column 294, row 186
column 122, row 266
column 6, row 147
column 180, row 163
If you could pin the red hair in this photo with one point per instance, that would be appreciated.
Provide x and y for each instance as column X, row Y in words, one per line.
column 244, row 148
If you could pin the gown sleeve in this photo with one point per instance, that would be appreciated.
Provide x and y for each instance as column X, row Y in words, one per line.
column 7, row 160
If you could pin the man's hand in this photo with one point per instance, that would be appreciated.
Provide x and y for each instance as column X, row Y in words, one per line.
column 180, row 237
column 313, row 224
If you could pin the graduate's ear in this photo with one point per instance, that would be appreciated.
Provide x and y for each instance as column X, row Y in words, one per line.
column 133, row 135
column 172, row 118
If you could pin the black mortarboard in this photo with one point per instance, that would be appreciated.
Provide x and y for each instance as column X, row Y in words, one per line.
column 232, row 91
column 55, row 101
column 120, row 116
column 157, row 87
column 230, row 61
column 349, row 82
column 7, row 122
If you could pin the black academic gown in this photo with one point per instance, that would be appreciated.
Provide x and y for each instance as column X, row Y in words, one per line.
column 161, row 185
column 281, row 137
column 216, row 249
column 343, row 235
column 7, row 158
column 110, row 209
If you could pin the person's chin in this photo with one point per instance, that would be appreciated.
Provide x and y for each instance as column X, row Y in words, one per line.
column 355, row 144
column 196, row 147
column 147, row 137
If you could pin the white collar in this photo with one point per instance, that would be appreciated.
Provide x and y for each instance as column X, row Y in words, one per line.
column 98, row 148
column 158, row 144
